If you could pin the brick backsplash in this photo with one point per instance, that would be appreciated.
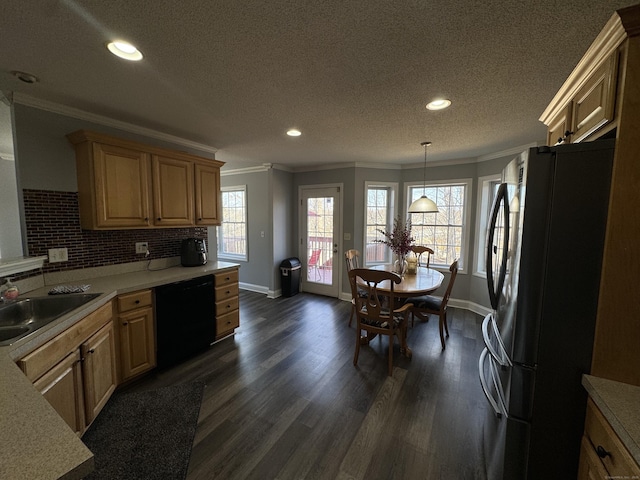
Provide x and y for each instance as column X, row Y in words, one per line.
column 53, row 221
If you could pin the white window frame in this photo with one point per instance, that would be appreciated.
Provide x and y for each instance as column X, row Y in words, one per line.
column 231, row 256
column 483, row 212
column 392, row 212
column 464, row 247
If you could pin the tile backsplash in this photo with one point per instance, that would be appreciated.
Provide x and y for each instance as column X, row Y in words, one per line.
column 53, row 221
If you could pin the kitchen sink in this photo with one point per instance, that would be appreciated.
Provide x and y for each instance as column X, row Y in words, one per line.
column 23, row 317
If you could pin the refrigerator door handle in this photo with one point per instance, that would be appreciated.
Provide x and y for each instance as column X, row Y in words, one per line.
column 502, row 357
column 501, row 200
column 499, row 410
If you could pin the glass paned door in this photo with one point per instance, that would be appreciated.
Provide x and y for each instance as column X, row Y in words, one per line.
column 319, row 243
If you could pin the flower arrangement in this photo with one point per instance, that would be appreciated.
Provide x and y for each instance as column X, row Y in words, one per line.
column 399, row 240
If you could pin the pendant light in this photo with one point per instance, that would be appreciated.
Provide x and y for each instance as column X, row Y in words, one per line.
column 424, row 204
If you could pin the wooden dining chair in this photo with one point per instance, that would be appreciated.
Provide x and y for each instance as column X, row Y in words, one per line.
column 376, row 311
column 422, row 252
column 431, row 305
column 352, row 259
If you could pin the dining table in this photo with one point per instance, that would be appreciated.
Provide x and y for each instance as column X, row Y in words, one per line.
column 424, row 282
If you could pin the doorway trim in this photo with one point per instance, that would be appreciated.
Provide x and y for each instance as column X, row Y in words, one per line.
column 339, row 235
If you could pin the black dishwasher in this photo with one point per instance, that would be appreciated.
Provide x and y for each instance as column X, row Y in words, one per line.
column 185, row 319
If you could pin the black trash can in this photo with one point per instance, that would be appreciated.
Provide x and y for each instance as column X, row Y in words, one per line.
column 290, row 276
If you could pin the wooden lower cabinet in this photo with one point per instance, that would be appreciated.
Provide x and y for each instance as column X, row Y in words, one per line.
column 602, row 454
column 62, row 388
column 136, row 334
column 76, row 370
column 227, row 302
column 98, row 370
column 227, row 323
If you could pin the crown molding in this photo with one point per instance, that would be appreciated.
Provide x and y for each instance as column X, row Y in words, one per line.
column 265, row 167
column 506, row 153
column 52, row 107
column 602, row 48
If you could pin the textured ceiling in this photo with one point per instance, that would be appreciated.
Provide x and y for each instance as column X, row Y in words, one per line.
column 353, row 76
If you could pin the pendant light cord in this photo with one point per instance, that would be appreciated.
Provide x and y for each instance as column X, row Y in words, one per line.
column 424, row 170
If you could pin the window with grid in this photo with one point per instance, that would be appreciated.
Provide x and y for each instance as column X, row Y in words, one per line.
column 232, row 233
column 380, row 200
column 446, row 231
column 489, row 188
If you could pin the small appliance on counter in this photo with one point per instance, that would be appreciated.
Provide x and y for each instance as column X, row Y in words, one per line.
column 193, row 252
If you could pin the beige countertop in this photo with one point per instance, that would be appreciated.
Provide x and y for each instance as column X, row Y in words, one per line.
column 35, row 442
column 620, row 405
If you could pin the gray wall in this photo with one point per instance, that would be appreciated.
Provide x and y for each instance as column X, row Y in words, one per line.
column 257, row 271
column 46, row 160
column 283, row 208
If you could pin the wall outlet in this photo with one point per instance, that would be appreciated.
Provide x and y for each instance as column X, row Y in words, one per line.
column 142, row 247
column 58, row 255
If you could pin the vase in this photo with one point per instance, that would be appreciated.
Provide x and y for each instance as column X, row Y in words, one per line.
column 400, row 265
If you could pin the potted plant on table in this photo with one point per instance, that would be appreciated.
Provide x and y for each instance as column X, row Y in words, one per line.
column 400, row 241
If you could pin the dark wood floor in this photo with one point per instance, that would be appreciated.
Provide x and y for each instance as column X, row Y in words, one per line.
column 284, row 401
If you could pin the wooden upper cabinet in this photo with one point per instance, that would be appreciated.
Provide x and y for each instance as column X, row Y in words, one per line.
column 208, row 202
column 585, row 108
column 594, row 103
column 121, row 181
column 589, row 100
column 559, row 131
column 172, row 192
column 124, row 184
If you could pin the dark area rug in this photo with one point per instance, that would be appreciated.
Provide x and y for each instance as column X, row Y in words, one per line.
column 146, row 435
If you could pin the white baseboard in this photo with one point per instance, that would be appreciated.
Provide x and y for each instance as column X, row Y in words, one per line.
column 253, row 288
column 454, row 302
column 471, row 306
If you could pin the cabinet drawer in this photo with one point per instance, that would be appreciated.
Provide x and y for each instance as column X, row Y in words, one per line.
column 131, row 301
column 226, row 291
column 226, row 323
column 618, row 461
column 227, row 306
column 40, row 360
column 226, row 278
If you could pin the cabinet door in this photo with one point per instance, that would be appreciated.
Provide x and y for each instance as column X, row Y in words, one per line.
column 208, row 207
column 137, row 344
column 590, row 467
column 99, row 370
column 121, row 181
column 172, row 191
column 62, row 388
column 594, row 103
column 560, row 127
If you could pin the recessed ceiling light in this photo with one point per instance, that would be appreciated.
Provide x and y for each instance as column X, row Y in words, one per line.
column 439, row 104
column 294, row 132
column 124, row 50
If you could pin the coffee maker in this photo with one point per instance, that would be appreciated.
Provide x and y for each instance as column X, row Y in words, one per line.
column 193, row 252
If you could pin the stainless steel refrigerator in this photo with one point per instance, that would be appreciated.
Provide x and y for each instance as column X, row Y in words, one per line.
column 543, row 256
